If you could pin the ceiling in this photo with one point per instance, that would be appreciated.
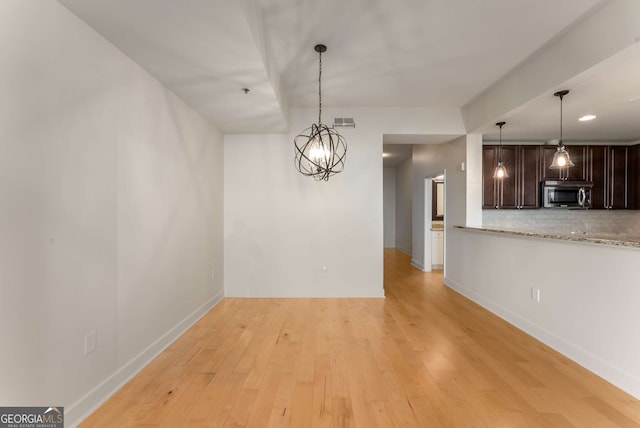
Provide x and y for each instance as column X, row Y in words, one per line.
column 397, row 148
column 610, row 90
column 394, row 154
column 406, row 53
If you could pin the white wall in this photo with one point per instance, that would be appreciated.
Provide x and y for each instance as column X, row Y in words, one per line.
column 473, row 171
column 110, row 212
column 389, row 209
column 404, row 196
column 589, row 300
column 428, row 161
column 287, row 235
column 282, row 228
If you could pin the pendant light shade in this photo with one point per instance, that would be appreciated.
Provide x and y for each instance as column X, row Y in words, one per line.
column 561, row 157
column 320, row 151
column 500, row 171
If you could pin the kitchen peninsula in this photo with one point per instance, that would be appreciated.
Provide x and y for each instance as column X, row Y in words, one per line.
column 567, row 277
column 577, row 293
column 575, row 236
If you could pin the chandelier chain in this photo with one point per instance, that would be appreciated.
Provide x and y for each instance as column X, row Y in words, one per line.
column 320, row 88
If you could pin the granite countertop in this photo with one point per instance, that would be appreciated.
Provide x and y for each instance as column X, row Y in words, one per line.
column 591, row 238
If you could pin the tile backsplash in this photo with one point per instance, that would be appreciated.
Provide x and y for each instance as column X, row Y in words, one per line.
column 610, row 222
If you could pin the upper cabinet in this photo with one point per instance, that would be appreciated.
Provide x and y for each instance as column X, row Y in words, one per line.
column 529, row 187
column 521, row 189
column 490, row 192
column 633, row 177
column 617, row 177
column 492, row 189
column 608, row 168
column 614, row 171
column 597, row 173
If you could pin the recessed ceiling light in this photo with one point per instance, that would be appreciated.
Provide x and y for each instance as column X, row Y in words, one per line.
column 587, row 117
column 385, row 155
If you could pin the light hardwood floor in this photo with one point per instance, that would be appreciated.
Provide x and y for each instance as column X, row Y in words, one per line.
column 422, row 357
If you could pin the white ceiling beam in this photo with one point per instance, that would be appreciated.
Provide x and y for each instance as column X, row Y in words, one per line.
column 255, row 21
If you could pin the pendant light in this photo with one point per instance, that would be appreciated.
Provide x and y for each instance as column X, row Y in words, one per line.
column 501, row 170
column 320, row 151
column 561, row 157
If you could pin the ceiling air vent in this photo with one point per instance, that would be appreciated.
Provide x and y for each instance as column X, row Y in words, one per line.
column 343, row 122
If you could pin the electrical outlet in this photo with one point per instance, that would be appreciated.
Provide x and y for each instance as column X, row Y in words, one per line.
column 535, row 294
column 90, row 342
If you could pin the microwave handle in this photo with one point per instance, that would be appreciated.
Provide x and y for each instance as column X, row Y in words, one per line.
column 582, row 196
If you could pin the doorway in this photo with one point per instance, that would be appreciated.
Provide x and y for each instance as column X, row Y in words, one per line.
column 434, row 221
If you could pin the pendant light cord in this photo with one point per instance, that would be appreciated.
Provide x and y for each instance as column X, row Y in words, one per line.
column 561, row 94
column 500, row 154
column 320, row 88
column 500, row 124
column 561, row 119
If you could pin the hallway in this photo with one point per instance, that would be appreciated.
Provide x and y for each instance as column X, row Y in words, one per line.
column 423, row 357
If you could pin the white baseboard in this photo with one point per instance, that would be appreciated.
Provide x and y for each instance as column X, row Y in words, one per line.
column 404, row 250
column 84, row 407
column 591, row 362
column 417, row 264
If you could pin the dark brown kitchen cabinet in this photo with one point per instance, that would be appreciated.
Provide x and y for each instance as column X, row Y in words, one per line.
column 493, row 190
column 529, row 187
column 597, row 174
column 521, row 189
column 634, row 177
column 490, row 194
column 577, row 172
column 617, row 176
column 607, row 168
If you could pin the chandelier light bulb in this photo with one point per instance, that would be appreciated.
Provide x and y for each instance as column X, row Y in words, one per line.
column 562, row 161
column 318, row 154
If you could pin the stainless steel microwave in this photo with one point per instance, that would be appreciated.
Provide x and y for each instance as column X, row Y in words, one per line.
column 566, row 194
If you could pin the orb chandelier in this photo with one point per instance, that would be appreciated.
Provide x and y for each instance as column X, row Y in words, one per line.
column 320, row 151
